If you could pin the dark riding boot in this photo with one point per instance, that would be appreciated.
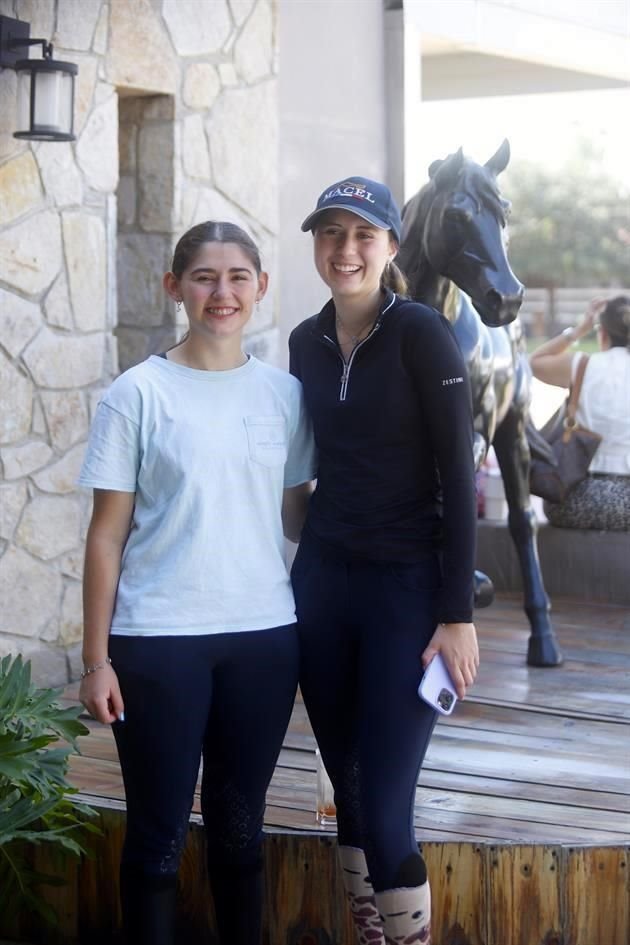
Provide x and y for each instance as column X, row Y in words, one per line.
column 148, row 907
column 237, row 891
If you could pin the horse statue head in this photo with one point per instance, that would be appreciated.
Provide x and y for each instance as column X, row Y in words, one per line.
column 454, row 229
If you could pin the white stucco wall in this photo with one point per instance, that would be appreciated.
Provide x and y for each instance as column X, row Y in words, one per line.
column 332, row 101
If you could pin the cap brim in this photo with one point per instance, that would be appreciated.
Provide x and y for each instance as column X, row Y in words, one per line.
column 312, row 218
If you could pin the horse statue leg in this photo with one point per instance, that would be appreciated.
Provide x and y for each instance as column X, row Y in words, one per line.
column 483, row 586
column 512, row 451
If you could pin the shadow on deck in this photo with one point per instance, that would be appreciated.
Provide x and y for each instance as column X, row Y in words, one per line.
column 522, row 809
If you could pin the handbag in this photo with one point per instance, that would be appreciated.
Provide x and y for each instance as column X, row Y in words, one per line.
column 562, row 451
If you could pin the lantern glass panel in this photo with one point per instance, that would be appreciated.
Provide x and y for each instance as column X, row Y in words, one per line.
column 53, row 98
column 23, row 101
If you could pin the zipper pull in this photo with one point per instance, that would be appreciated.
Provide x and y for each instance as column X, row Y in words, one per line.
column 344, row 378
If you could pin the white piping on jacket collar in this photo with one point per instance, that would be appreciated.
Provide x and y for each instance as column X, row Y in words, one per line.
column 345, row 376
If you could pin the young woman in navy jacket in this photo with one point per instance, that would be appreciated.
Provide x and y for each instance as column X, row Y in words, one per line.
column 383, row 577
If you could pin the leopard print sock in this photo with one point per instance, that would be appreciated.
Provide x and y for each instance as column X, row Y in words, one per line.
column 360, row 895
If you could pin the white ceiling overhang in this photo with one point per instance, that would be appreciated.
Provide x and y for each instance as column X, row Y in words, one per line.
column 472, row 48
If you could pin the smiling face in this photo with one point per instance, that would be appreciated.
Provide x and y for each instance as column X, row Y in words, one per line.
column 351, row 254
column 219, row 289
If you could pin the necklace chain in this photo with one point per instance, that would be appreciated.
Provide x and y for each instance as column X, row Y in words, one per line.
column 354, row 339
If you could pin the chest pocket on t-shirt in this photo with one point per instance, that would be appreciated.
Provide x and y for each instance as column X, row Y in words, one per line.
column 267, row 439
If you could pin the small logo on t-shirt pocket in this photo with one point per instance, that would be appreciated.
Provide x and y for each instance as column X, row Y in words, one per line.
column 267, row 439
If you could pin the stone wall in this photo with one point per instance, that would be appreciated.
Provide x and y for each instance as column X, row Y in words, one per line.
column 176, row 122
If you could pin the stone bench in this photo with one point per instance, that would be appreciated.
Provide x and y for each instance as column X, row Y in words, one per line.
column 588, row 565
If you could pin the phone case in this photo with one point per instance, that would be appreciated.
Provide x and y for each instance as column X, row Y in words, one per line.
column 436, row 687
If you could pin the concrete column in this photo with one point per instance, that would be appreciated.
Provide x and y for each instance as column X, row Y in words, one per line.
column 403, row 77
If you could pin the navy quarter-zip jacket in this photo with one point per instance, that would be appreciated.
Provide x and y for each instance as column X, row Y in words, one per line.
column 394, row 432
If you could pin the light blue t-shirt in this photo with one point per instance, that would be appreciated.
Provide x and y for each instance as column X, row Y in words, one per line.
column 207, row 454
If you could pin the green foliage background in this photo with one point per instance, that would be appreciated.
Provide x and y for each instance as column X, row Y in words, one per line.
column 569, row 227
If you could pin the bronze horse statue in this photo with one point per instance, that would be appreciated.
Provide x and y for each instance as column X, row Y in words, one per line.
column 453, row 253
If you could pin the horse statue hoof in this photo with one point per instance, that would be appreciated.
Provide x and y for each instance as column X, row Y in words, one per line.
column 543, row 651
column 484, row 590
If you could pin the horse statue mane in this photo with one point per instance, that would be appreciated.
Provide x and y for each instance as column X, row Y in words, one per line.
column 453, row 253
column 460, row 196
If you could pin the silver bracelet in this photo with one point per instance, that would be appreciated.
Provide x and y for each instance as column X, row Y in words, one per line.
column 569, row 333
column 92, row 669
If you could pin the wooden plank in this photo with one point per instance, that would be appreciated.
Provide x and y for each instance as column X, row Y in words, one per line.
column 606, row 663
column 292, row 790
column 535, row 743
column 588, row 733
column 524, row 901
column 484, row 759
column 597, row 896
column 93, row 776
column 457, row 875
column 97, row 888
column 574, row 688
column 279, row 819
column 305, row 901
column 550, row 711
column 500, row 626
column 508, row 606
column 302, row 761
column 527, row 790
column 63, row 899
column 552, row 815
column 581, row 643
column 486, row 828
column 284, row 809
column 508, row 639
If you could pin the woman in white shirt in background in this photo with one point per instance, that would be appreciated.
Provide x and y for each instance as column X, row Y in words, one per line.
column 602, row 500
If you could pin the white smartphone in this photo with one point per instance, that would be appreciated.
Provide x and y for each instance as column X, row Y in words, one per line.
column 436, row 687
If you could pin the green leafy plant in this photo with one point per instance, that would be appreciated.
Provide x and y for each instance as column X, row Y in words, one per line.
column 36, row 806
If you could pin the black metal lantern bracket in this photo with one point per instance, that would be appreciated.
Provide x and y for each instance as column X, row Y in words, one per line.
column 16, row 35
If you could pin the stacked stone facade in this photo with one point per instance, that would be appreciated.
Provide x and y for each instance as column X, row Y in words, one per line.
column 176, row 123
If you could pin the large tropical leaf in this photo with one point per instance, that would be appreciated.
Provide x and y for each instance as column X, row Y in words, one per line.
column 36, row 804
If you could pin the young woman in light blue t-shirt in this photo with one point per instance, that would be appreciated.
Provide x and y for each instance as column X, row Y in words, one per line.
column 199, row 459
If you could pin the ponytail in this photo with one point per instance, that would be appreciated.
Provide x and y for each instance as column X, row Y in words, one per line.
column 394, row 280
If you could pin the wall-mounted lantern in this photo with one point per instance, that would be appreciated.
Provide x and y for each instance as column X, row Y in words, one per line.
column 45, row 93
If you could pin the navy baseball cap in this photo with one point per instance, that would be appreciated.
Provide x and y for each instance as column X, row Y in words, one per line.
column 367, row 198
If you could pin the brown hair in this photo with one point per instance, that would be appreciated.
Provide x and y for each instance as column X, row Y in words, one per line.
column 394, row 279
column 212, row 231
column 615, row 320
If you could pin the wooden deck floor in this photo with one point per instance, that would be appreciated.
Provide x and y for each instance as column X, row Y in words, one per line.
column 533, row 755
